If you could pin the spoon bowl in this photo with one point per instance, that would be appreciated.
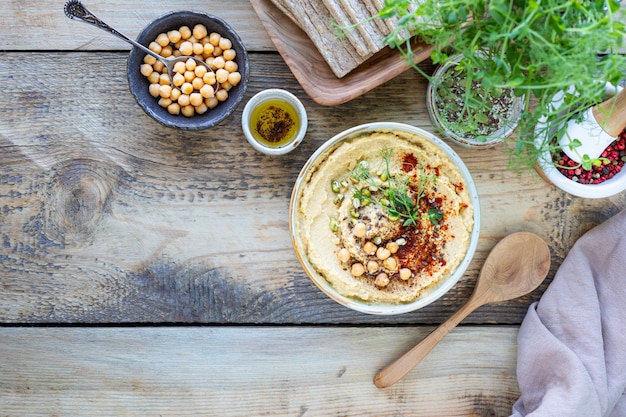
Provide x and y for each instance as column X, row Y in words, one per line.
column 514, row 267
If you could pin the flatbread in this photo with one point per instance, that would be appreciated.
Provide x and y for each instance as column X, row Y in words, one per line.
column 342, row 53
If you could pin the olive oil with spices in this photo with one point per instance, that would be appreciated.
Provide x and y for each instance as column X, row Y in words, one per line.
column 274, row 123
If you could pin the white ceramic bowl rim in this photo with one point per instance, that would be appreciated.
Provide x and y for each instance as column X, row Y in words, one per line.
column 607, row 188
column 431, row 294
column 263, row 96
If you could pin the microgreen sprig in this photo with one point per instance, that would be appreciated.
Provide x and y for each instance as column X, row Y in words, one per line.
column 397, row 197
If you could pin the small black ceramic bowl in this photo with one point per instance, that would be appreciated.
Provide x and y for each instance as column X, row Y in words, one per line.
column 139, row 84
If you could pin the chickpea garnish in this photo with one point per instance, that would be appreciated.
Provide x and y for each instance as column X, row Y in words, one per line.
column 357, row 269
column 343, row 255
column 382, row 280
column 405, row 273
column 369, row 248
column 372, row 267
column 359, row 230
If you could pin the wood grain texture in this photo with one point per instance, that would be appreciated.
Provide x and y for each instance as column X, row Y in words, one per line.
column 251, row 371
column 42, row 25
column 108, row 217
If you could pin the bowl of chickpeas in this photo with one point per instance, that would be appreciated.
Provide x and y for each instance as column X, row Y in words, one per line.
column 194, row 96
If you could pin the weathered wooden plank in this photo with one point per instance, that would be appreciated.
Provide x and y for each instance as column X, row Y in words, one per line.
column 106, row 216
column 42, row 25
column 252, row 371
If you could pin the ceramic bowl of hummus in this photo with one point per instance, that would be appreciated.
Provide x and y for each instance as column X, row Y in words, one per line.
column 384, row 218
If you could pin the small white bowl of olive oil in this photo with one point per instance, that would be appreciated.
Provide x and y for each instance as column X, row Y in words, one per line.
column 274, row 121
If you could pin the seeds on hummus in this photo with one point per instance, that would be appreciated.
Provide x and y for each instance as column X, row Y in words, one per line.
column 402, row 223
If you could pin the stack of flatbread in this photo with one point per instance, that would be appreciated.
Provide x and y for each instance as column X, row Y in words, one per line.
column 319, row 20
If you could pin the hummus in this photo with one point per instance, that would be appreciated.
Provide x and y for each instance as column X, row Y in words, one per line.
column 384, row 215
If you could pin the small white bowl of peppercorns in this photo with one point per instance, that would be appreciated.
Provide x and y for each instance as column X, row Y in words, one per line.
column 194, row 96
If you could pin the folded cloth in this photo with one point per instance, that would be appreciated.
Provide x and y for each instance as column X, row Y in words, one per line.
column 572, row 342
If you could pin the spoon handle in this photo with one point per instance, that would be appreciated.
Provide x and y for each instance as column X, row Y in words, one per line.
column 611, row 114
column 75, row 10
column 401, row 366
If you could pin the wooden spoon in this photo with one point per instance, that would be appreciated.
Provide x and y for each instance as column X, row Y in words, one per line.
column 515, row 266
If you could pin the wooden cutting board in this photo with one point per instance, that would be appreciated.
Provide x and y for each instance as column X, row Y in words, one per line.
column 312, row 71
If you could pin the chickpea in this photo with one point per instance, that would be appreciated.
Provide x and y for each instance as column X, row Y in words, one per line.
column 190, row 64
column 357, row 269
column 405, row 273
column 234, row 78
column 154, row 77
column 199, row 31
column 186, row 48
column 176, row 53
column 208, row 49
column 214, row 38
column 162, row 39
column 207, row 91
column 180, row 67
column 393, row 247
column 390, row 263
column 197, row 83
column 173, row 108
column 155, row 47
column 195, row 99
column 178, row 79
column 231, row 66
column 189, row 76
column 183, row 100
column 359, row 230
column 211, row 102
column 225, row 43
column 187, row 111
column 209, row 78
column 382, row 253
column 149, row 59
column 382, row 280
column 217, row 51
column 198, row 48
column 372, row 267
column 155, row 90
column 229, row 54
column 186, row 88
column 158, row 66
column 175, row 94
column 174, row 36
column 226, row 86
column 221, row 95
column 164, row 79
column 369, row 248
column 201, row 109
column 164, row 102
column 343, row 255
column 200, row 71
column 219, row 62
column 165, row 91
column 146, row 70
column 167, row 51
column 185, row 32
column 221, row 75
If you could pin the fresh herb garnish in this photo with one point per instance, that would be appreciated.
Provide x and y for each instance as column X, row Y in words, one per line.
column 396, row 196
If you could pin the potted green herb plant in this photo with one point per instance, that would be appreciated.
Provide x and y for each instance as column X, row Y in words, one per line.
column 537, row 48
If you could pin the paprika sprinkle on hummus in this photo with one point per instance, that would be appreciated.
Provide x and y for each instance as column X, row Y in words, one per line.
column 385, row 216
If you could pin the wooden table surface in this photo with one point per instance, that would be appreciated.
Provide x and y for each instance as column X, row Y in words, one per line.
column 149, row 271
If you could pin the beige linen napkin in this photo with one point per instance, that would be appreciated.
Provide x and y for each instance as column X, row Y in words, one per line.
column 572, row 342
